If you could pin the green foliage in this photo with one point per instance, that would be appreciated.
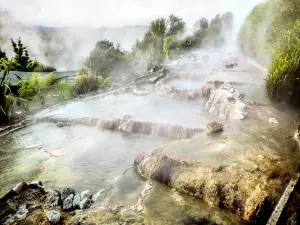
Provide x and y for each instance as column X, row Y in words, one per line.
column 85, row 84
column 43, row 68
column 7, row 99
column 105, row 82
column 2, row 56
column 272, row 31
column 104, row 58
column 36, row 85
column 158, row 40
column 166, row 46
column 251, row 37
column 63, row 90
column 21, row 60
column 284, row 76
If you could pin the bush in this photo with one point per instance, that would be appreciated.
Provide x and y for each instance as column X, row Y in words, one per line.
column 88, row 83
column 63, row 90
column 284, row 75
column 36, row 85
column 104, row 58
column 272, row 31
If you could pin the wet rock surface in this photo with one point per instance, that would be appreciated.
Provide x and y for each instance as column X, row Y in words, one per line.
column 53, row 216
column 215, row 127
column 32, row 199
column 67, row 192
column 224, row 187
column 68, row 202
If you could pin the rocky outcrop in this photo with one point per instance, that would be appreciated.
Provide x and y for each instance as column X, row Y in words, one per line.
column 221, row 99
column 244, row 193
column 25, row 199
column 128, row 125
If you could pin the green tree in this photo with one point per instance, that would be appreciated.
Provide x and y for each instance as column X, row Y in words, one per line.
column 104, row 58
column 2, row 56
column 21, row 60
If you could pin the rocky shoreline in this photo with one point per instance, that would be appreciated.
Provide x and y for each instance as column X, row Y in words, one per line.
column 26, row 198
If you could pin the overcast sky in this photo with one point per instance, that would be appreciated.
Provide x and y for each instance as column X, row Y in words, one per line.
column 97, row 13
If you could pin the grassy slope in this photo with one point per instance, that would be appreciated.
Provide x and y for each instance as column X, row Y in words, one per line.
column 272, row 31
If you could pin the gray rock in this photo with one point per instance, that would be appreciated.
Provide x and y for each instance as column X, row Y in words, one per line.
column 76, row 201
column 66, row 192
column 85, row 194
column 226, row 103
column 37, row 183
column 52, row 197
column 53, row 216
column 215, row 127
column 96, row 196
column 20, row 187
column 68, row 202
column 85, row 203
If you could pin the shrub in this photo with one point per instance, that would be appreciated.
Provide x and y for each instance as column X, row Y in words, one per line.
column 63, row 90
column 85, row 84
column 284, row 75
column 272, row 31
column 36, row 85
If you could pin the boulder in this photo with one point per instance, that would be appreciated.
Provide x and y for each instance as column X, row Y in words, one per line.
column 20, row 187
column 67, row 192
column 37, row 183
column 226, row 102
column 230, row 65
column 53, row 216
column 68, row 202
column 52, row 197
column 76, row 201
column 215, row 127
column 96, row 196
column 85, row 194
column 85, row 203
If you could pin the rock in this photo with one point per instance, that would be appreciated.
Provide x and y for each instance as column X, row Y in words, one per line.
column 139, row 208
column 85, row 203
column 52, row 197
column 224, row 101
column 230, row 65
column 85, row 194
column 240, row 191
column 37, row 183
column 66, row 192
column 215, row 127
column 273, row 120
column 76, row 201
column 68, row 202
column 20, row 187
column 96, row 196
column 53, row 216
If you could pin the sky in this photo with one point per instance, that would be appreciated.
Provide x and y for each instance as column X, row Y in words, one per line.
column 99, row 13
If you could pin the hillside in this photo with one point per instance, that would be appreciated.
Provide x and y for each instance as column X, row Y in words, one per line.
column 271, row 34
column 67, row 47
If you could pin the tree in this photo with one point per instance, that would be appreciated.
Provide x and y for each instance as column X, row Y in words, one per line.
column 104, row 58
column 202, row 24
column 21, row 60
column 2, row 56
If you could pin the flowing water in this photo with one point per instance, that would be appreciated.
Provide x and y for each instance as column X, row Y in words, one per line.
column 88, row 158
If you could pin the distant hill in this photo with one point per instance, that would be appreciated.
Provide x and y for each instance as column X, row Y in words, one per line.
column 66, row 48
